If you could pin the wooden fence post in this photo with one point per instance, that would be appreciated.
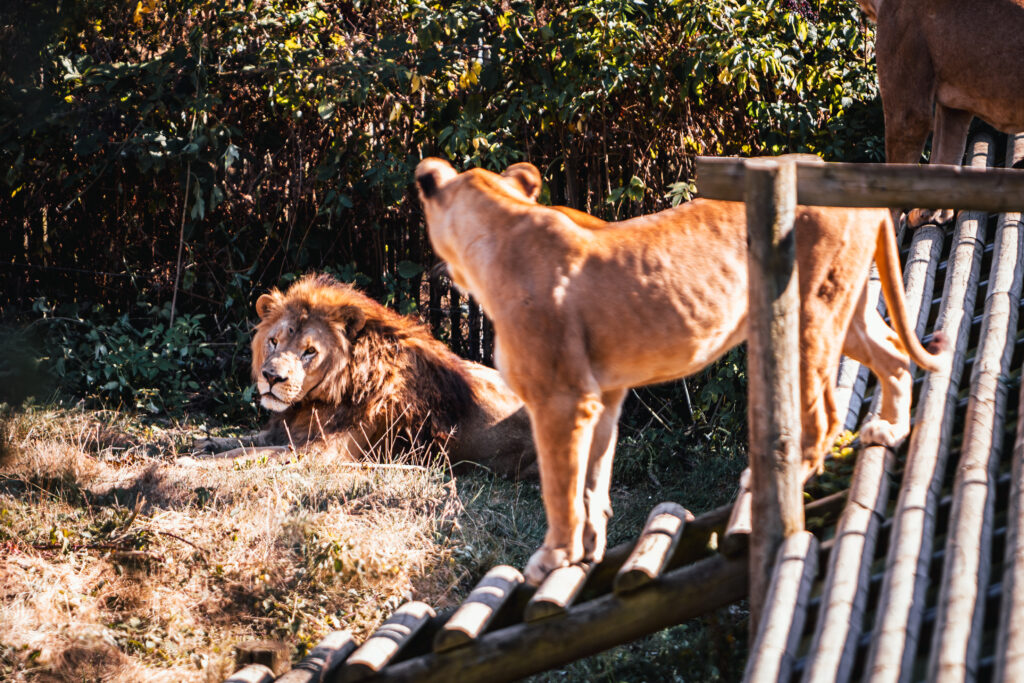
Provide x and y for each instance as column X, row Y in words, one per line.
column 773, row 369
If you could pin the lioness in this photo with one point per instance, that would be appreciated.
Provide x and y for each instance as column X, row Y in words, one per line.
column 583, row 310
column 958, row 59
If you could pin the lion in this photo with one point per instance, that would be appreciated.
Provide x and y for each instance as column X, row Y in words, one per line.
column 343, row 374
column 584, row 310
column 941, row 63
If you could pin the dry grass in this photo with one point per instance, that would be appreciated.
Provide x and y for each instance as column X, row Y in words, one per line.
column 115, row 565
column 119, row 564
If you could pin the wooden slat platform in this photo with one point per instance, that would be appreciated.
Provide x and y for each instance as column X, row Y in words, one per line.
column 921, row 605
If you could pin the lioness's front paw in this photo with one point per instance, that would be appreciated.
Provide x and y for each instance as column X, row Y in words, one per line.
column 595, row 536
column 919, row 217
column 878, row 432
column 544, row 561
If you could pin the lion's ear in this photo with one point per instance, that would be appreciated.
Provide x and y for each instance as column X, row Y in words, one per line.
column 431, row 174
column 266, row 304
column 352, row 318
column 527, row 177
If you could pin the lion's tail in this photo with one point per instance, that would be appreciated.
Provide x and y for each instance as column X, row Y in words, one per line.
column 888, row 258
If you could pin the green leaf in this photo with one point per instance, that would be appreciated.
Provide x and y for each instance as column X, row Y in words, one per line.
column 325, row 109
column 408, row 269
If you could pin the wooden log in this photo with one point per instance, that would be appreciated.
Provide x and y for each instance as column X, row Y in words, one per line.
column 933, row 186
column 474, row 615
column 785, row 609
column 517, row 651
column 773, row 368
column 327, row 656
column 845, row 594
column 273, row 654
column 736, row 537
column 699, row 539
column 654, row 548
column 965, row 576
column 381, row 647
column 1009, row 661
column 253, row 673
column 901, row 604
column 557, row 593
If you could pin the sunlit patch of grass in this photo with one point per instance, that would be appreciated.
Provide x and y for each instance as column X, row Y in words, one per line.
column 119, row 561
column 142, row 569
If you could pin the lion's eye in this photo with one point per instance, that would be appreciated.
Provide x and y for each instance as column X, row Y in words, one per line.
column 273, row 342
column 309, row 353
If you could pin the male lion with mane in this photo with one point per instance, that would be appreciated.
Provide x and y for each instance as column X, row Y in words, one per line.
column 343, row 374
column 583, row 310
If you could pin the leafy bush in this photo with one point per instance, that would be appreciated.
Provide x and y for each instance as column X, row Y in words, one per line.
column 159, row 367
column 200, row 152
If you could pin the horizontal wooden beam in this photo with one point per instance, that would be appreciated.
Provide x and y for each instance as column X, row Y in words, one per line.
column 878, row 185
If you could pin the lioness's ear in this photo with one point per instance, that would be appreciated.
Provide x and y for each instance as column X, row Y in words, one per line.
column 431, row 174
column 526, row 176
column 352, row 318
column 266, row 304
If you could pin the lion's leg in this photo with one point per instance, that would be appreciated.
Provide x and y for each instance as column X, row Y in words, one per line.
column 563, row 429
column 242, row 454
column 872, row 342
column 216, row 444
column 599, row 474
column 949, row 140
column 907, row 100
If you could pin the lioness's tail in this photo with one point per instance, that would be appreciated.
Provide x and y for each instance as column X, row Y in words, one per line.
column 887, row 256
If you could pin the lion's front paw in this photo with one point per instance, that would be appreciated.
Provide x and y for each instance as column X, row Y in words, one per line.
column 920, row 217
column 878, row 432
column 211, row 445
column 204, row 446
column 544, row 561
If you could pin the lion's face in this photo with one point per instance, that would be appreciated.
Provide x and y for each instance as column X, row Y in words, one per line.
column 295, row 359
column 295, row 349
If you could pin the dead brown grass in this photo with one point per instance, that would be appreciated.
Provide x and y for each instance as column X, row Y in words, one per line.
column 118, row 566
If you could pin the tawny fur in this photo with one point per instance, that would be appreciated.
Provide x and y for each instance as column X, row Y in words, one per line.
column 583, row 310
column 940, row 63
column 375, row 378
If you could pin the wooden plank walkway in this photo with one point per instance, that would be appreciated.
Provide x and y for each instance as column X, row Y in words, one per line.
column 919, row 575
column 910, row 592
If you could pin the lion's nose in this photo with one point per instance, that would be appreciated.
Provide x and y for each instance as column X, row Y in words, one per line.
column 272, row 377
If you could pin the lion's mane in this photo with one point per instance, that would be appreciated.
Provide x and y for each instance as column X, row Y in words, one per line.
column 392, row 376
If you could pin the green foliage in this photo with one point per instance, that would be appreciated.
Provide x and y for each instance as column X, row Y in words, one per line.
column 267, row 138
column 689, row 438
column 158, row 366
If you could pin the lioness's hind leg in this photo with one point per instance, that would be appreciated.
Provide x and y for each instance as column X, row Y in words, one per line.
column 563, row 429
column 872, row 342
column 599, row 472
column 820, row 423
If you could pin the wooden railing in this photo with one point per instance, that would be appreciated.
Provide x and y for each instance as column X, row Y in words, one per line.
column 782, row 556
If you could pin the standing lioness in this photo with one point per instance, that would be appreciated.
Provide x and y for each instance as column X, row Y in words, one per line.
column 582, row 312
